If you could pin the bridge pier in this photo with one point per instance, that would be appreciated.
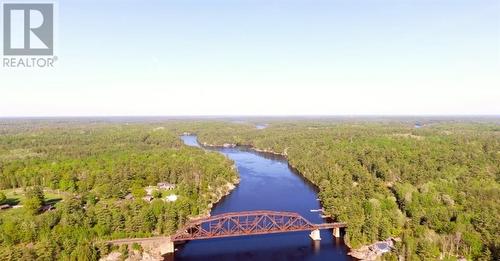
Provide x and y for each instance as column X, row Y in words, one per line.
column 336, row 232
column 315, row 235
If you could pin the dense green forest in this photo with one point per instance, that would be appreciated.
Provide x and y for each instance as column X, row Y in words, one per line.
column 92, row 167
column 436, row 187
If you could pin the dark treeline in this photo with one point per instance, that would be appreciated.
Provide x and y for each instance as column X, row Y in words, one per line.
column 94, row 166
column 435, row 187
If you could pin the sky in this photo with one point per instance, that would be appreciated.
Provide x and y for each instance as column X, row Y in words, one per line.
column 264, row 57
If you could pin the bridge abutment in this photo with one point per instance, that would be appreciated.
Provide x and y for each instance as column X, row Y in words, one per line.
column 167, row 248
column 315, row 235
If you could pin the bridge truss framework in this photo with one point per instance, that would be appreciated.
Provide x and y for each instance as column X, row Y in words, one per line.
column 248, row 223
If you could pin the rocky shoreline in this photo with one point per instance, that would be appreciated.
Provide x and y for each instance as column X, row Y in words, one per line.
column 375, row 250
column 219, row 195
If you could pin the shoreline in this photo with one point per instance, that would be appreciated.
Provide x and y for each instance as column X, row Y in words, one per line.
column 220, row 195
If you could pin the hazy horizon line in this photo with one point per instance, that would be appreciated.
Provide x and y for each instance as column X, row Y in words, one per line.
column 251, row 116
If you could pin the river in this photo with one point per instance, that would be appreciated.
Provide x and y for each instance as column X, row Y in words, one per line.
column 267, row 183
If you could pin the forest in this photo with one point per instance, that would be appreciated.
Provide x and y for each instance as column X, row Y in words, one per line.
column 88, row 169
column 434, row 186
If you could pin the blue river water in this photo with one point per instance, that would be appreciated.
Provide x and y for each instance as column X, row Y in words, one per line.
column 266, row 183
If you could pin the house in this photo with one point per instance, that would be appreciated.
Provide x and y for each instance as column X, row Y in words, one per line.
column 148, row 198
column 166, row 186
column 6, row 206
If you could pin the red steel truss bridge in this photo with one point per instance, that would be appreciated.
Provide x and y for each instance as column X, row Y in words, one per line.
column 249, row 223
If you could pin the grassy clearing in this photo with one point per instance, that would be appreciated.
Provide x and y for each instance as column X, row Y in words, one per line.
column 17, row 195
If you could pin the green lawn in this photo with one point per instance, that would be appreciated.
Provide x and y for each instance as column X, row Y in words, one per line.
column 16, row 196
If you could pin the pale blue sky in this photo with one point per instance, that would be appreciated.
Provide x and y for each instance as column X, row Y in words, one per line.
column 264, row 57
